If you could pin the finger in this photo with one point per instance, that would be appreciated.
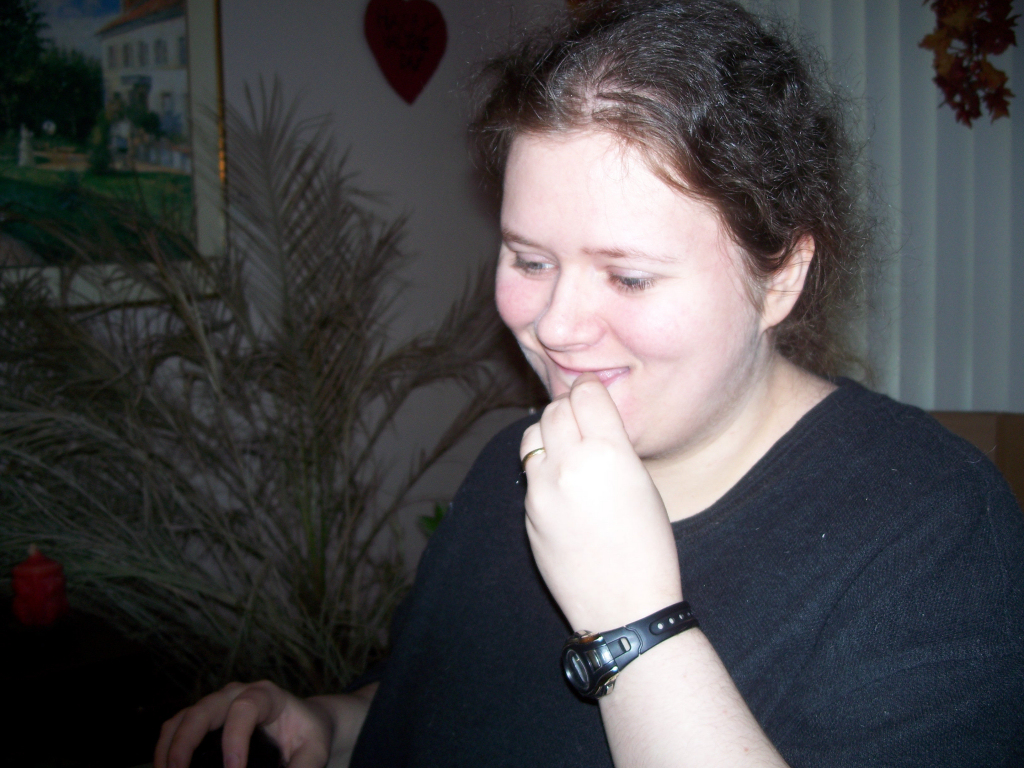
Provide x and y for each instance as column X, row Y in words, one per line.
column 594, row 410
column 255, row 705
column 309, row 755
column 558, row 427
column 194, row 723
column 163, row 743
column 531, row 441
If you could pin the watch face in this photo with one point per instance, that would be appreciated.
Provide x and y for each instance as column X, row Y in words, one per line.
column 592, row 660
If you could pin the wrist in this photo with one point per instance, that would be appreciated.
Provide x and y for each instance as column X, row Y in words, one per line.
column 618, row 611
column 593, row 660
column 342, row 717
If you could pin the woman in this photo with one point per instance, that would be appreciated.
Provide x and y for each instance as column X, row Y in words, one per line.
column 680, row 236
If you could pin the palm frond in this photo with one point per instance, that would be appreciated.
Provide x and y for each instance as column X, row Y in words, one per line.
column 206, row 459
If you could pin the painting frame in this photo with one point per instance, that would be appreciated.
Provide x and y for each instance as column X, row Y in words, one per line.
column 203, row 110
column 209, row 143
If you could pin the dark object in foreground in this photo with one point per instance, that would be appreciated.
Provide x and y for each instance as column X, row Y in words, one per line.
column 263, row 752
column 83, row 695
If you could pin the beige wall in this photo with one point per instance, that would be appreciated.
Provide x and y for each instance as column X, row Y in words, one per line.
column 415, row 155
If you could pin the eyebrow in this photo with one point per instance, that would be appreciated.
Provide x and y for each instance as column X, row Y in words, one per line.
column 508, row 236
column 616, row 253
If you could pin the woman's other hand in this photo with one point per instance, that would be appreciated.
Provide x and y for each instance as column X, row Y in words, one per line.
column 596, row 522
column 310, row 732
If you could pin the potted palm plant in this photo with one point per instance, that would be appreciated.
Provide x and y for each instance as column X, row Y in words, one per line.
column 199, row 442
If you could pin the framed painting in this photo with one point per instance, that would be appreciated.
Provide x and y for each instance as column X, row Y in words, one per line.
column 120, row 98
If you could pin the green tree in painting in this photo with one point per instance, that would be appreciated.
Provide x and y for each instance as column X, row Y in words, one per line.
column 39, row 82
column 68, row 91
column 21, row 46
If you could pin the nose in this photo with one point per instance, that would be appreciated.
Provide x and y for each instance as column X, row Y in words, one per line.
column 572, row 318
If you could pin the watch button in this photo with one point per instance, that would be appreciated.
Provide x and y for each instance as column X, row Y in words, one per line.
column 582, row 676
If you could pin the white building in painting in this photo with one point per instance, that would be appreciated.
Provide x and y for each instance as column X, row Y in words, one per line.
column 146, row 47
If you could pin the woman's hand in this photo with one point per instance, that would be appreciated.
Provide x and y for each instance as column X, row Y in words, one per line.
column 597, row 525
column 604, row 545
column 308, row 731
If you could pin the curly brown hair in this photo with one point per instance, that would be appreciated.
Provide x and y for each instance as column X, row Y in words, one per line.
column 725, row 109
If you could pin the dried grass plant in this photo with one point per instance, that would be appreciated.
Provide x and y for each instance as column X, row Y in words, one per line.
column 201, row 446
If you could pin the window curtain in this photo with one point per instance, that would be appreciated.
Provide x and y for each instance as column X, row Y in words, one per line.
column 945, row 328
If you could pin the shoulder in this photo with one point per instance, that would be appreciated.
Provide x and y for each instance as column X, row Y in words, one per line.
column 938, row 527
column 870, row 416
column 482, row 522
column 490, row 496
column 919, row 472
column 877, row 464
column 868, row 438
column 909, row 543
column 890, row 520
column 498, row 462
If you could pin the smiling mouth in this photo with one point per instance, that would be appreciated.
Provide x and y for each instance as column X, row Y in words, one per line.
column 607, row 376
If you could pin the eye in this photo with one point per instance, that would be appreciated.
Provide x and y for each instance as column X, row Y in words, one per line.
column 531, row 266
column 631, row 283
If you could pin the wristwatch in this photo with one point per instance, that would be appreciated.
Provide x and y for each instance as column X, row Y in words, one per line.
column 592, row 660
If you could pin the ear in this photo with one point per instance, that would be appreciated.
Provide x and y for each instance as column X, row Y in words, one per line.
column 785, row 286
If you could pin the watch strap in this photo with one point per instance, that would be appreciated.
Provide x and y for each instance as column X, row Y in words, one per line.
column 592, row 660
column 662, row 625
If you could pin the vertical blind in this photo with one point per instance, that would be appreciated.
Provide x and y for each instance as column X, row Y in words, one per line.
column 945, row 327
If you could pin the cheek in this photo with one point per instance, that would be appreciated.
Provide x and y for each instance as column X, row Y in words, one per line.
column 653, row 333
column 519, row 301
column 696, row 329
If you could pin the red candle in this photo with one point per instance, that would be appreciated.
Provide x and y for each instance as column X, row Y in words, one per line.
column 39, row 596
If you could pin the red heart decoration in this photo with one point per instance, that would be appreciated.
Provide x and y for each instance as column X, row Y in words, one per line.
column 408, row 38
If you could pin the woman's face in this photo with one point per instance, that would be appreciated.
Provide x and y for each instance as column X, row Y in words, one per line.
column 606, row 268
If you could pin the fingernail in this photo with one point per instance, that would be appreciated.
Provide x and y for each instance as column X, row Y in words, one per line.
column 232, row 760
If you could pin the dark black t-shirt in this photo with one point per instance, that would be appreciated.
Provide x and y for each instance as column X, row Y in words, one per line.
column 863, row 584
